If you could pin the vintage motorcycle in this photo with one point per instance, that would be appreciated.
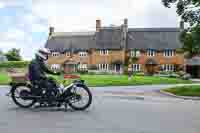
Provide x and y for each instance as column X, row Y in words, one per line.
column 77, row 95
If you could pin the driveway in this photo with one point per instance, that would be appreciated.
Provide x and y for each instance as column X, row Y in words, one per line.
column 108, row 114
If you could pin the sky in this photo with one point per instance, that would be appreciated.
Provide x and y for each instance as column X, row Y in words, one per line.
column 25, row 24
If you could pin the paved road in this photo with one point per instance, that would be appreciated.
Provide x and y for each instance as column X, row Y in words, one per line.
column 106, row 115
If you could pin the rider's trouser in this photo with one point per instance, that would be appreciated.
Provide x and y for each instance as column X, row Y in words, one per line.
column 49, row 86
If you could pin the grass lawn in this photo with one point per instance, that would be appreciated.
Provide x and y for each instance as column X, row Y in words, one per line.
column 122, row 80
column 111, row 80
column 185, row 90
column 4, row 78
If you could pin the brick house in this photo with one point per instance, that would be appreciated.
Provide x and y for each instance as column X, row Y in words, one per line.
column 114, row 49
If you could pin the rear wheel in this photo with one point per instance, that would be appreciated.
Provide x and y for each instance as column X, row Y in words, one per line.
column 19, row 95
column 81, row 98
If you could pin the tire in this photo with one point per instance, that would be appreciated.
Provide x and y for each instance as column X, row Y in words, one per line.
column 14, row 88
column 88, row 103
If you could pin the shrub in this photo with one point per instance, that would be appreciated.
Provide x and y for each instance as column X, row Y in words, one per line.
column 92, row 67
column 186, row 77
column 139, row 74
column 82, row 71
column 14, row 64
column 181, row 73
column 164, row 73
column 174, row 75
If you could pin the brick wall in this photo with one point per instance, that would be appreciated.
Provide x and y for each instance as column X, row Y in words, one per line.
column 94, row 57
column 113, row 55
column 177, row 59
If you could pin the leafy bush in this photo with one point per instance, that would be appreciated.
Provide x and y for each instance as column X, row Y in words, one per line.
column 14, row 64
column 139, row 74
column 82, row 71
column 174, row 75
column 92, row 67
column 181, row 73
column 186, row 77
column 164, row 73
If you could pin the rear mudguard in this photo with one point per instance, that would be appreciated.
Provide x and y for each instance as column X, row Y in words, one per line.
column 14, row 85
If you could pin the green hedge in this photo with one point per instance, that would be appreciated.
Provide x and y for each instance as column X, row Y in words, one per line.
column 14, row 64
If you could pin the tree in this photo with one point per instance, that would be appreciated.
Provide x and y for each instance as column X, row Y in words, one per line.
column 13, row 55
column 1, row 52
column 189, row 11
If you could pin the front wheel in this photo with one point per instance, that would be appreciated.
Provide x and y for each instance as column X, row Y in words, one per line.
column 81, row 98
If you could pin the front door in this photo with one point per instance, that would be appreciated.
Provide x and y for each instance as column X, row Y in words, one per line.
column 150, row 69
column 117, row 67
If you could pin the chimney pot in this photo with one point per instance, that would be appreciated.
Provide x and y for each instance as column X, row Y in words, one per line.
column 51, row 30
column 98, row 25
column 125, row 21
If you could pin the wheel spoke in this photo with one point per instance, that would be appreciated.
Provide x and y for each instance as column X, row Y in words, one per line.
column 19, row 98
column 84, row 97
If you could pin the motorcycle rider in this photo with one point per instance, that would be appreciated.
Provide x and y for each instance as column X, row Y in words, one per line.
column 37, row 75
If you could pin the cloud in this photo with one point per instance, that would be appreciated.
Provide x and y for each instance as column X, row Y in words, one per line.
column 39, row 28
column 81, row 15
column 2, row 5
column 24, row 23
column 12, row 35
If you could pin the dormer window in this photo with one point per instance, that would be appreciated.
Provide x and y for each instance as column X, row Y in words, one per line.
column 82, row 53
column 151, row 52
column 169, row 53
column 135, row 53
column 104, row 52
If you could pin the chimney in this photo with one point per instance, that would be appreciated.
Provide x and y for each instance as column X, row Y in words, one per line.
column 124, row 33
column 51, row 31
column 126, row 21
column 98, row 25
column 182, row 27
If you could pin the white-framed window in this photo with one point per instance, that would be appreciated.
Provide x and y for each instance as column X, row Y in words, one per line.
column 169, row 53
column 136, row 67
column 82, row 53
column 82, row 66
column 55, row 66
column 103, row 66
column 67, row 53
column 168, row 67
column 55, row 53
column 151, row 52
column 135, row 53
column 104, row 52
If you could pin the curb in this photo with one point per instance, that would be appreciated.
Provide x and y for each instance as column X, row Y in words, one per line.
column 180, row 97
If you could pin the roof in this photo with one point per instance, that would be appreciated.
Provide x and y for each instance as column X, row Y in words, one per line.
column 70, row 42
column 153, row 38
column 73, row 33
column 193, row 61
column 108, row 39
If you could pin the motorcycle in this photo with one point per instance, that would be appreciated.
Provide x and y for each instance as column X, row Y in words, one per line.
column 77, row 95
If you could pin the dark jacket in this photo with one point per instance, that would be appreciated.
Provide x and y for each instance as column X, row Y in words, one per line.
column 38, row 70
